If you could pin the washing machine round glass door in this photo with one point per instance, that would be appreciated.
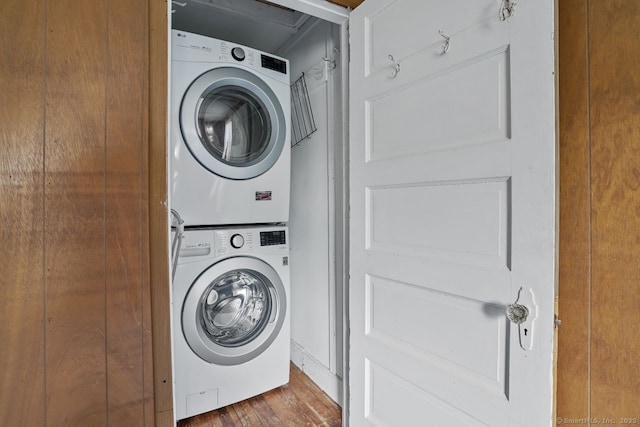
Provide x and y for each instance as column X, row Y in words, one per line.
column 233, row 123
column 234, row 311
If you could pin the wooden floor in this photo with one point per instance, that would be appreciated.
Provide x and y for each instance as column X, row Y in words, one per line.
column 300, row 403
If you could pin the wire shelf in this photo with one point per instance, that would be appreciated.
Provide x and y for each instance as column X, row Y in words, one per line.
column 302, row 122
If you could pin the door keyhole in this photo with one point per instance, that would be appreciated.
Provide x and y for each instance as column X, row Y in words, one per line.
column 525, row 331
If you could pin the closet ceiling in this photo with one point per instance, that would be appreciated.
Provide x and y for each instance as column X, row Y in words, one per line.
column 252, row 23
column 256, row 23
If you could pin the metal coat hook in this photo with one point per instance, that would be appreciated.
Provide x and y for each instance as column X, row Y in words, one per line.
column 447, row 41
column 507, row 9
column 331, row 62
column 396, row 67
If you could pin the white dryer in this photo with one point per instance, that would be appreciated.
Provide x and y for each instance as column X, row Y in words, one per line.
column 230, row 154
column 231, row 332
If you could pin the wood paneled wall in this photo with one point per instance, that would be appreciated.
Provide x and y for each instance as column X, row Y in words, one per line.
column 575, row 215
column 599, row 343
column 75, row 313
column 22, row 112
column 75, row 306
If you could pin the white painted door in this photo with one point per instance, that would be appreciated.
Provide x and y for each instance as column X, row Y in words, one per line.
column 453, row 190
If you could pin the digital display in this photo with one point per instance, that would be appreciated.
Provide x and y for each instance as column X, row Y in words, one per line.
column 274, row 64
column 271, row 238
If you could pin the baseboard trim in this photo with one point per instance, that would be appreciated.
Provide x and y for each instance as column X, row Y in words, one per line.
column 328, row 381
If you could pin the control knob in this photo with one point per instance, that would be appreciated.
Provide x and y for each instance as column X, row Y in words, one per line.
column 238, row 53
column 237, row 241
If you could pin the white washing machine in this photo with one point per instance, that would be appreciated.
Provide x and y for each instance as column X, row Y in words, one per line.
column 231, row 332
column 230, row 155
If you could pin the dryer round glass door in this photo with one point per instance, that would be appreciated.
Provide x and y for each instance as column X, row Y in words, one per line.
column 234, row 311
column 233, row 123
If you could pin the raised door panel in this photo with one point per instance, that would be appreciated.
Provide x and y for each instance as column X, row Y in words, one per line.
column 469, row 104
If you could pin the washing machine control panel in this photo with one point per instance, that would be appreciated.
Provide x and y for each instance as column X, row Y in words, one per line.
column 207, row 242
column 237, row 241
column 220, row 242
column 229, row 241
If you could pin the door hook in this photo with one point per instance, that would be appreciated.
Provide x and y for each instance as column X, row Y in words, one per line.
column 330, row 62
column 507, row 9
column 447, row 40
column 396, row 67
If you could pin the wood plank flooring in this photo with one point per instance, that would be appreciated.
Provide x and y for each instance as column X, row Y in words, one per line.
column 299, row 403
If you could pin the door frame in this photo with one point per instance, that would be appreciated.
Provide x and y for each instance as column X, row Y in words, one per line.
column 159, row 28
column 159, row 234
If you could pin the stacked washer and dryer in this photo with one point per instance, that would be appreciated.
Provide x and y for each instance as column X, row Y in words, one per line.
column 229, row 181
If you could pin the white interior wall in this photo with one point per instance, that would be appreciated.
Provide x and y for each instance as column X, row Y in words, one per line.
column 315, row 320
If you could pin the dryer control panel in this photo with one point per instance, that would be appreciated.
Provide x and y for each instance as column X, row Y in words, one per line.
column 192, row 47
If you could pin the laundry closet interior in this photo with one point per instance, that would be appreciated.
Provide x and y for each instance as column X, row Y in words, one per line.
column 314, row 47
